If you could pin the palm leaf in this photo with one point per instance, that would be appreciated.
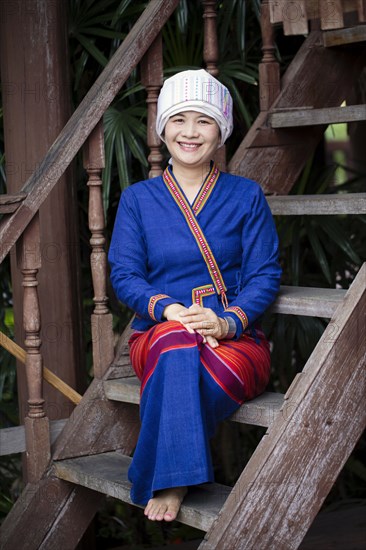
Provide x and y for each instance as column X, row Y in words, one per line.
column 318, row 250
column 90, row 47
column 333, row 230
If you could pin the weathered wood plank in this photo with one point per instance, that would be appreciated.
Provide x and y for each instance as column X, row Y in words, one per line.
column 11, row 199
column 85, row 118
column 97, row 425
column 310, row 117
column 282, row 9
column 277, row 166
column 314, row 205
column 10, row 203
column 295, row 18
column 258, row 412
column 331, row 14
column 126, row 390
column 107, row 474
column 308, row 301
column 12, row 440
column 30, row 525
column 340, row 37
column 70, row 525
column 295, row 465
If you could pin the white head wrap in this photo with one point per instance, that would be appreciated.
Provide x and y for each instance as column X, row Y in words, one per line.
column 195, row 91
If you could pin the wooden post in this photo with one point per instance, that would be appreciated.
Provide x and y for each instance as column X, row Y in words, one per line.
column 36, row 423
column 269, row 71
column 210, row 47
column 211, row 57
column 37, row 104
column 152, row 79
column 101, row 319
column 361, row 5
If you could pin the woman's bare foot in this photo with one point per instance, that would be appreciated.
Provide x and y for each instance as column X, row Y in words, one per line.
column 165, row 505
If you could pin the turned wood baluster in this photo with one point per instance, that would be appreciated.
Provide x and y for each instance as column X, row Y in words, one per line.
column 269, row 71
column 361, row 7
column 101, row 319
column 152, row 79
column 36, row 422
column 211, row 57
column 210, row 47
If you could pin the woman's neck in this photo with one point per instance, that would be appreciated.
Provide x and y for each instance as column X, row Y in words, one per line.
column 190, row 176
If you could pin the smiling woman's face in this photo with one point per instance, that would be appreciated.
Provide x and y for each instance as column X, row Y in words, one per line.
column 192, row 138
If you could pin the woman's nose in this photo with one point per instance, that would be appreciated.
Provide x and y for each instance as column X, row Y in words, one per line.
column 190, row 129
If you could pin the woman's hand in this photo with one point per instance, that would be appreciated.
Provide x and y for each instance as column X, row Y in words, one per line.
column 185, row 316
column 204, row 321
column 173, row 313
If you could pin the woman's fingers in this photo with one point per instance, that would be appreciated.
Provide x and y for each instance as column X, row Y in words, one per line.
column 212, row 341
column 204, row 321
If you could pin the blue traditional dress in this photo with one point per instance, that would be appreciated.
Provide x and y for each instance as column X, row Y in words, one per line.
column 220, row 252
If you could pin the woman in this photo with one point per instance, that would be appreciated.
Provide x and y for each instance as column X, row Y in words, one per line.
column 194, row 254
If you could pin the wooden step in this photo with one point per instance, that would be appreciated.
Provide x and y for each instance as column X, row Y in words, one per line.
column 341, row 37
column 305, row 116
column 260, row 411
column 10, row 203
column 107, row 474
column 310, row 205
column 308, row 301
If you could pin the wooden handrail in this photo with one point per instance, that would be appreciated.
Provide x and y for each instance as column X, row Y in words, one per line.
column 85, row 118
column 20, row 354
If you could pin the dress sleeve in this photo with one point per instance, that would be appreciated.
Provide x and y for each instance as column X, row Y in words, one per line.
column 260, row 270
column 129, row 263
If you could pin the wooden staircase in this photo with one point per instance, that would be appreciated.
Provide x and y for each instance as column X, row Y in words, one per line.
column 311, row 430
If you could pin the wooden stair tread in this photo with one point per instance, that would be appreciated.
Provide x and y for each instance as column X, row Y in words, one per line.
column 107, row 474
column 309, row 301
column 259, row 411
column 311, row 117
column 10, row 203
column 340, row 37
column 298, row 205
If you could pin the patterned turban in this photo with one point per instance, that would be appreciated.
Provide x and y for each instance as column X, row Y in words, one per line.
column 195, row 91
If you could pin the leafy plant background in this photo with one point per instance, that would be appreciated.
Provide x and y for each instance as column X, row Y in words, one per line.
column 320, row 251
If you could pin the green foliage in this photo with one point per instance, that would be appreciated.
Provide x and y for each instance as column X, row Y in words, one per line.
column 10, row 483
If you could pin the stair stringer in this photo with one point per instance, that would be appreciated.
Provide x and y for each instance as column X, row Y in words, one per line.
column 49, row 515
column 53, row 514
column 298, row 460
column 317, row 77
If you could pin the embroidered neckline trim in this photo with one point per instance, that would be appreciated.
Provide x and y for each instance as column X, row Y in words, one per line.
column 206, row 190
column 190, row 217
